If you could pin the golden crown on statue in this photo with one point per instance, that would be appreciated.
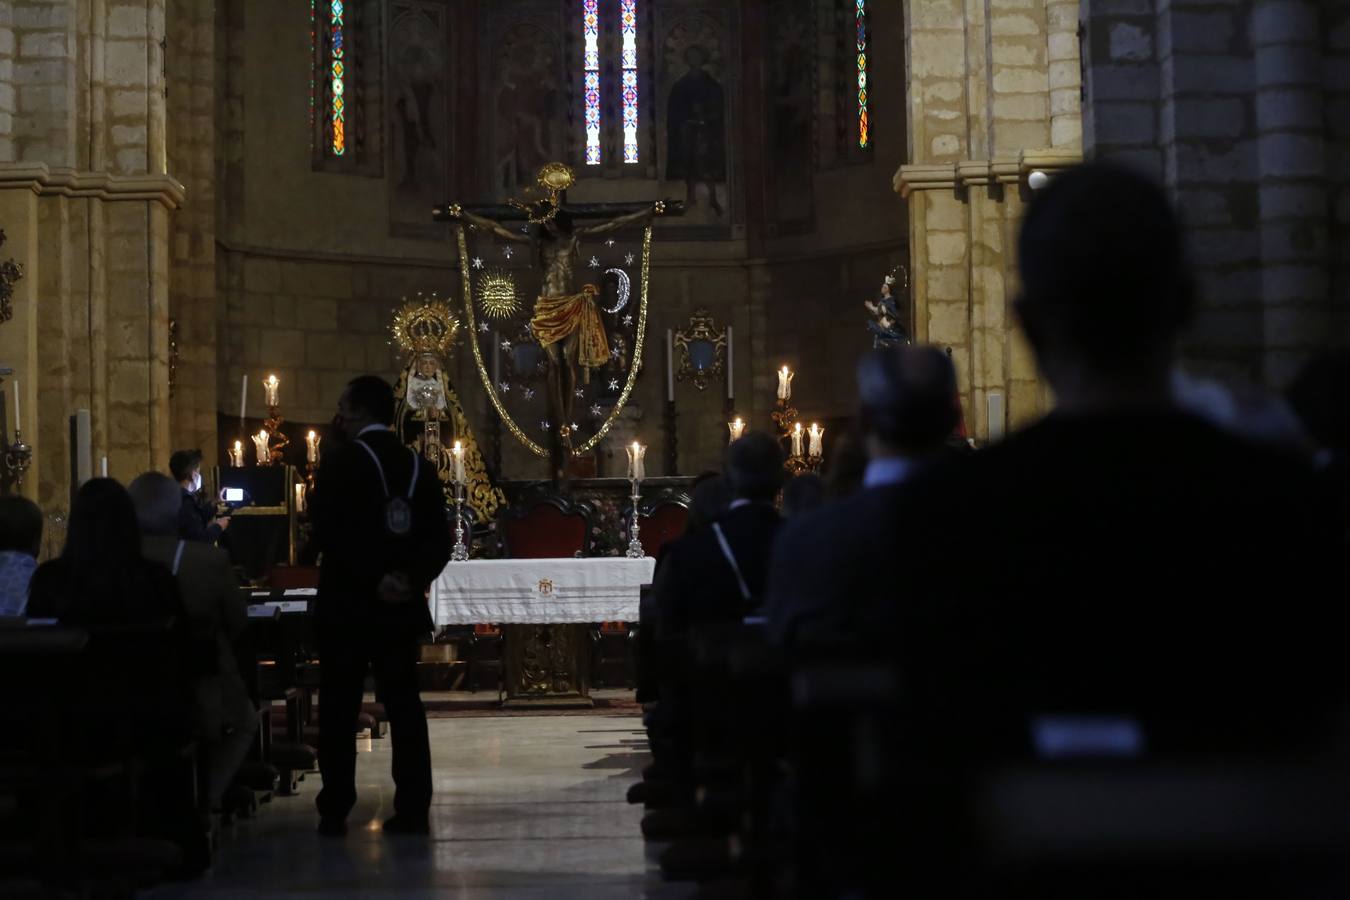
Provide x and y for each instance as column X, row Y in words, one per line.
column 425, row 326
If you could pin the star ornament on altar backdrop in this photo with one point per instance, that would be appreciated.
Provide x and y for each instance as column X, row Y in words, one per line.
column 594, row 263
column 615, row 354
column 478, row 262
column 596, row 411
column 543, row 426
column 508, row 250
column 627, row 320
column 506, row 345
column 504, row 387
column 628, row 259
column 580, row 393
column 614, row 384
column 609, row 242
column 484, row 327
column 529, row 393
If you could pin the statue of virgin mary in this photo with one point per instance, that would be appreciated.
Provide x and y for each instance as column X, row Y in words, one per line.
column 427, row 413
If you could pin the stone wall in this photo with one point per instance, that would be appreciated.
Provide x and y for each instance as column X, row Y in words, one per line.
column 85, row 199
column 993, row 96
column 191, row 68
column 1240, row 109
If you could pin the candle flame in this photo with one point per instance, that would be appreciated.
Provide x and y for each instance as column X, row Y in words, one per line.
column 311, row 435
column 238, row 445
column 799, row 426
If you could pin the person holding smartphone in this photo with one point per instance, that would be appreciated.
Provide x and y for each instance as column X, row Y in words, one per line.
column 196, row 521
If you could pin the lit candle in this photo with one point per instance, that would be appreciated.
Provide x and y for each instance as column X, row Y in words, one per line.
column 270, row 390
column 260, row 442
column 785, row 376
column 236, row 456
column 637, row 469
column 18, row 416
column 312, row 447
column 458, row 453
column 737, row 428
column 300, row 497
column 797, row 440
column 103, row 469
column 731, row 366
column 817, row 435
column 670, row 365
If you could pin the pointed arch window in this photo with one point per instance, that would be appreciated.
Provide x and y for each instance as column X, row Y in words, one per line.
column 595, row 46
column 344, row 85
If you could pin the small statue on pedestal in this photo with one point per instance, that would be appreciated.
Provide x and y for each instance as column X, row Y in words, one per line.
column 885, row 322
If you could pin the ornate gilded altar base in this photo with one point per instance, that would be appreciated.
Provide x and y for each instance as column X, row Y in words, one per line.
column 547, row 666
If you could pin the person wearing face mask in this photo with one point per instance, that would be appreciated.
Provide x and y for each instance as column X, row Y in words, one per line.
column 196, row 521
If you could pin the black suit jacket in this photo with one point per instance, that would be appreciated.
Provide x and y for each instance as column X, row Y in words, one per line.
column 694, row 583
column 194, row 522
column 348, row 509
column 1143, row 564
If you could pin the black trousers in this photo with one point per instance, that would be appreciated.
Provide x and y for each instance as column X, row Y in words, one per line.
column 345, row 655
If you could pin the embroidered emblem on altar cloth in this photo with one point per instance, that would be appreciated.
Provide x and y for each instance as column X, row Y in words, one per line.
column 545, row 587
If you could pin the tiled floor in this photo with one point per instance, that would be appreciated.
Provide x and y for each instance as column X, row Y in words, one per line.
column 524, row 807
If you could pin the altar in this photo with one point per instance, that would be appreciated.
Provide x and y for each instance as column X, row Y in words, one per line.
column 544, row 606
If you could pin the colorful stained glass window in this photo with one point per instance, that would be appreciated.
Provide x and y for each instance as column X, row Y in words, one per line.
column 337, row 76
column 590, row 29
column 864, row 132
column 628, row 20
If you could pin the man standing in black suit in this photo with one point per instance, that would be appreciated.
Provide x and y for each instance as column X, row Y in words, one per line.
column 381, row 526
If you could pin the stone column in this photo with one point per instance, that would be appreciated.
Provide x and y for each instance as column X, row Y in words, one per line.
column 1291, row 158
column 987, row 107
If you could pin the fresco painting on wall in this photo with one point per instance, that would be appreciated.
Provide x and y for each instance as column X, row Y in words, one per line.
column 790, row 114
column 696, row 118
column 419, row 110
column 529, row 117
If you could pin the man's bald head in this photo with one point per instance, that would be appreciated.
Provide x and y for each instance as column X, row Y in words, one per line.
column 908, row 399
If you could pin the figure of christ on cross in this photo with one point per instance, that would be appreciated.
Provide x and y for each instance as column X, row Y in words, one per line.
column 565, row 322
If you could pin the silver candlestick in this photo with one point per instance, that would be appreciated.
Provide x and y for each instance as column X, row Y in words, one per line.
column 635, row 550
column 461, row 551
column 18, row 456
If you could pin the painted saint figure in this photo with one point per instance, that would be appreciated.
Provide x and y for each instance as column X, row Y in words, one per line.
column 696, row 130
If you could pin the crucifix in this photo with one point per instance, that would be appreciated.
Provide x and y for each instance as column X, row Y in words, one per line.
column 566, row 321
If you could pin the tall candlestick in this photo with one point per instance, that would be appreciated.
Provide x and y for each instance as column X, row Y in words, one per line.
column 243, row 402
column 300, row 497
column 785, row 376
column 817, row 435
column 797, row 440
column 260, row 443
column 670, row 365
column 737, row 428
column 731, row 366
column 458, row 453
column 18, row 416
column 103, row 467
column 271, row 390
column 236, row 456
column 637, row 468
column 312, row 447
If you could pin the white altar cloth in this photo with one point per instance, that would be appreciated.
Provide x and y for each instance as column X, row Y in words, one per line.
column 540, row 591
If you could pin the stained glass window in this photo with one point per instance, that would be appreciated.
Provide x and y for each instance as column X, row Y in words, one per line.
column 628, row 20
column 590, row 29
column 864, row 135
column 337, row 80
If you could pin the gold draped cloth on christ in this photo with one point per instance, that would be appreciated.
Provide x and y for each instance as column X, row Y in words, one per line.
column 558, row 318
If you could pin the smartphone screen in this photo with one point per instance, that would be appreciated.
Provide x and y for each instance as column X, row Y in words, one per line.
column 234, row 495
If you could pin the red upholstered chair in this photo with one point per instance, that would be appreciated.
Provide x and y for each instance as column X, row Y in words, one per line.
column 546, row 526
column 662, row 519
column 288, row 578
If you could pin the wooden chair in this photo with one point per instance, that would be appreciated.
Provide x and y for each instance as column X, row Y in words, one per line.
column 545, row 525
column 663, row 519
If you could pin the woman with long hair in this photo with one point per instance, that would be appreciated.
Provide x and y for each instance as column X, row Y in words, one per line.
column 100, row 578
